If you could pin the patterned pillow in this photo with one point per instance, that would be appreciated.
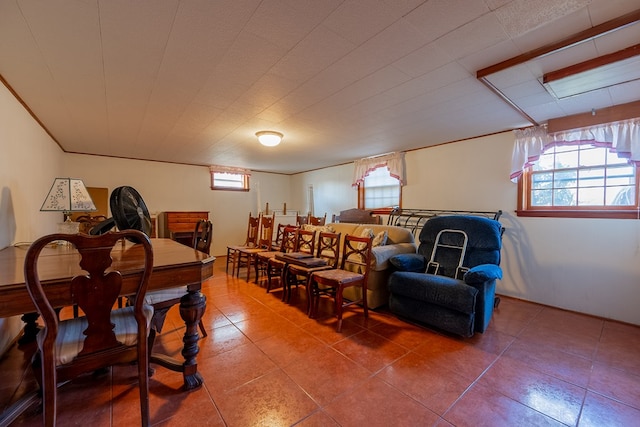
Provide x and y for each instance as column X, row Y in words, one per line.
column 380, row 239
column 318, row 228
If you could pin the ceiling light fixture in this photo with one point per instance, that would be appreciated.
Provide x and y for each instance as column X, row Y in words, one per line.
column 598, row 73
column 269, row 138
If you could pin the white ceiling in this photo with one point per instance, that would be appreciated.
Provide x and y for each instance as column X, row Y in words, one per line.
column 191, row 81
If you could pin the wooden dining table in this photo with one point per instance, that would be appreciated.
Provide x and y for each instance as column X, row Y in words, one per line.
column 174, row 265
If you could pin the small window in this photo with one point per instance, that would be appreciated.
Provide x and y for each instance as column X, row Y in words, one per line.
column 229, row 181
column 380, row 190
column 579, row 181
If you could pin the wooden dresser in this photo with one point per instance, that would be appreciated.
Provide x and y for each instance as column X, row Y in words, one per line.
column 179, row 225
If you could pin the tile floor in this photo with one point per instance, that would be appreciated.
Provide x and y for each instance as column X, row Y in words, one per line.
column 265, row 363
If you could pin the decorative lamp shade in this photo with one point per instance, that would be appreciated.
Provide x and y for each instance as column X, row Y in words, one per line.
column 68, row 195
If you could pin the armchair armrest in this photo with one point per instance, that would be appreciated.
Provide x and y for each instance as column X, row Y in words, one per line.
column 415, row 263
column 482, row 273
column 382, row 254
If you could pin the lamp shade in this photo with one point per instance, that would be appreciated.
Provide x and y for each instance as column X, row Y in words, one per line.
column 68, row 195
column 269, row 138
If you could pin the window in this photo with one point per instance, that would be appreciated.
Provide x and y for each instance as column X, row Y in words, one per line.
column 379, row 190
column 229, row 179
column 579, row 180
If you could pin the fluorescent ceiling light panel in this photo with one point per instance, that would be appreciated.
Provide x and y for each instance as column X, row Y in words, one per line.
column 602, row 72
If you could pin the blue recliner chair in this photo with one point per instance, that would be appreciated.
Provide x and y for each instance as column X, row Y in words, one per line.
column 450, row 283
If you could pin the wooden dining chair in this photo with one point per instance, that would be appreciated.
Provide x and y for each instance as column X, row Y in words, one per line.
column 202, row 236
column 353, row 271
column 102, row 337
column 318, row 220
column 164, row 299
column 302, row 220
column 305, row 243
column 327, row 249
column 253, row 228
column 246, row 256
column 287, row 243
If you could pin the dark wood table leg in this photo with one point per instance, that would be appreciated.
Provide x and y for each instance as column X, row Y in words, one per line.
column 30, row 328
column 192, row 307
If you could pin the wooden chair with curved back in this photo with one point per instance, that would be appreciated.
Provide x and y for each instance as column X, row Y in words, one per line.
column 327, row 249
column 253, row 228
column 287, row 243
column 202, row 236
column 354, row 271
column 318, row 220
column 102, row 337
column 246, row 257
column 305, row 244
column 164, row 299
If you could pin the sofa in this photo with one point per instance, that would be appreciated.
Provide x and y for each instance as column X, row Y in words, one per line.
column 455, row 292
column 398, row 241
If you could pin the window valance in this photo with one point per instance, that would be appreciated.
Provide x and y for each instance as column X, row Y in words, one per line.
column 229, row 169
column 622, row 137
column 393, row 161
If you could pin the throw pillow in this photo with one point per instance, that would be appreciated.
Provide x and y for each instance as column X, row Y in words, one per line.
column 380, row 239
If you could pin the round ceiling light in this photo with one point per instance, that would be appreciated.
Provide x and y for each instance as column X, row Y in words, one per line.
column 269, row 138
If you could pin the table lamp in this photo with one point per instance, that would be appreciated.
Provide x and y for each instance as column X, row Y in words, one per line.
column 68, row 195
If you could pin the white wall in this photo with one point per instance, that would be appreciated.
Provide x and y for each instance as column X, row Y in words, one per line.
column 583, row 265
column 29, row 161
column 173, row 187
column 332, row 191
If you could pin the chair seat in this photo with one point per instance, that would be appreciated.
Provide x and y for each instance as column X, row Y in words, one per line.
column 338, row 276
column 266, row 255
column 70, row 339
column 170, row 294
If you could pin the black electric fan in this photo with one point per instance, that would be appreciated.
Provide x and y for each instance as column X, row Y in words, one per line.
column 129, row 212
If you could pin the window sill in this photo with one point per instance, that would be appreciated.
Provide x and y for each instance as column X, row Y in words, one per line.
column 608, row 214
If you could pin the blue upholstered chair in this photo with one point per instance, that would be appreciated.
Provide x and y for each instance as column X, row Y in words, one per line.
column 453, row 287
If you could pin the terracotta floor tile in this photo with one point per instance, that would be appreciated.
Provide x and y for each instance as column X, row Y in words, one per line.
column 456, row 355
column 273, row 399
column 318, row 419
column 619, row 347
column 231, row 369
column 482, row 406
column 580, row 345
column 400, row 332
column 561, row 365
column 324, row 374
column 370, row 350
column 376, row 403
column 615, row 384
column 435, row 387
column 266, row 363
column 513, row 315
column 288, row 345
column 568, row 323
column 553, row 397
column 219, row 340
column 599, row 411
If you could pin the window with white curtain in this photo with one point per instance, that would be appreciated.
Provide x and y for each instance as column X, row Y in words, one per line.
column 591, row 172
column 380, row 189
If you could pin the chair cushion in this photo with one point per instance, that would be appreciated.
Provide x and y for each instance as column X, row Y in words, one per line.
column 338, row 275
column 163, row 295
column 439, row 290
column 483, row 273
column 409, row 262
column 70, row 339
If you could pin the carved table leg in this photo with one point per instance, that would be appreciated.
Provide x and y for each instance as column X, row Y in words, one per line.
column 30, row 328
column 192, row 307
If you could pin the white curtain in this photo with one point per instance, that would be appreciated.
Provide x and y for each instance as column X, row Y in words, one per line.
column 393, row 161
column 229, row 169
column 622, row 137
